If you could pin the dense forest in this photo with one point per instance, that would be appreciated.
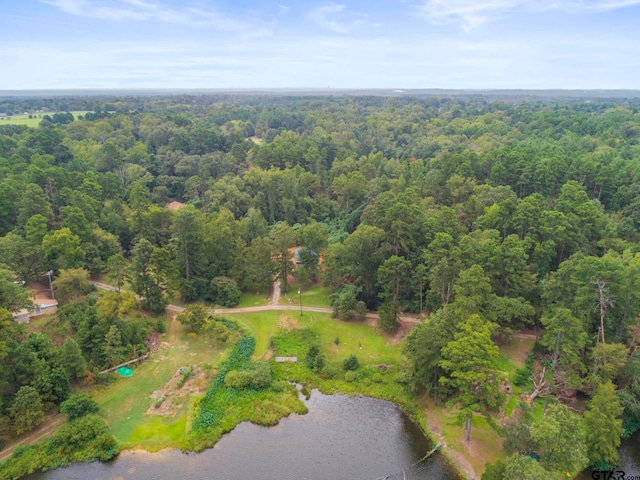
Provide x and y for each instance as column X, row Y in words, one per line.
column 489, row 217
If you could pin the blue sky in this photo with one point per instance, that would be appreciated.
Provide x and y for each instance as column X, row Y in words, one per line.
column 578, row 44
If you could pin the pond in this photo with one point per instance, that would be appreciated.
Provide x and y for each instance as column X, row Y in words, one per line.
column 629, row 459
column 359, row 438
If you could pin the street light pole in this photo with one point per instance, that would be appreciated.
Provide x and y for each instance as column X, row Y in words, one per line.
column 300, row 295
column 49, row 273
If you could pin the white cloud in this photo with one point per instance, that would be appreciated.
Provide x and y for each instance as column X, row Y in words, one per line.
column 325, row 17
column 608, row 5
column 139, row 10
column 469, row 14
column 303, row 61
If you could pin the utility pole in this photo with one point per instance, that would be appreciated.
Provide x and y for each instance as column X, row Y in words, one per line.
column 48, row 274
column 300, row 295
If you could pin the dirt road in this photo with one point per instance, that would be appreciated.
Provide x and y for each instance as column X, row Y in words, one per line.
column 46, row 430
column 266, row 308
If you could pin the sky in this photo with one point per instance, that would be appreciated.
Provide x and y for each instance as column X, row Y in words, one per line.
column 460, row 44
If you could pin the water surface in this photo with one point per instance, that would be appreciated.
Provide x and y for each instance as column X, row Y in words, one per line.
column 356, row 438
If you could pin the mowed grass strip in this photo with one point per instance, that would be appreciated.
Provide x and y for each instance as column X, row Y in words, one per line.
column 356, row 338
column 313, row 297
column 261, row 325
column 253, row 300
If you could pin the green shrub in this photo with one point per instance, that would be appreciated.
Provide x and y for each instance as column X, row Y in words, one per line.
column 345, row 303
column 185, row 374
column 216, row 330
column 351, row 363
column 158, row 403
column 78, row 405
column 80, row 432
column 314, row 359
column 350, row 376
column 523, row 375
column 256, row 378
column 330, row 370
column 160, row 325
column 225, row 291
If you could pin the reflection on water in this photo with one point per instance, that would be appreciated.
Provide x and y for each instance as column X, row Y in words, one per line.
column 356, row 438
column 629, row 459
column 630, row 455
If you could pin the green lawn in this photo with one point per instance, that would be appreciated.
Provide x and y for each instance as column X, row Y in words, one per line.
column 314, row 297
column 31, row 122
column 253, row 300
column 262, row 326
column 125, row 402
column 358, row 338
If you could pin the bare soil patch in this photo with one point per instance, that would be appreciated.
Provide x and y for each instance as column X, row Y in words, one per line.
column 175, row 398
column 397, row 336
column 434, row 424
column 518, row 348
column 287, row 322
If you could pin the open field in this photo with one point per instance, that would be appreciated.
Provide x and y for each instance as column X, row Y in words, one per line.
column 314, row 297
column 32, row 122
column 253, row 300
column 126, row 401
column 357, row 338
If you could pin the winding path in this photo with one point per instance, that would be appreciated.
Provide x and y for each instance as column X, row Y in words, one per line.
column 46, row 430
column 272, row 306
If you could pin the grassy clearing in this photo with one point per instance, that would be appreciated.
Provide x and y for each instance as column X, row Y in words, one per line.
column 32, row 122
column 51, row 327
column 517, row 350
column 380, row 375
column 253, row 300
column 314, row 297
column 356, row 338
column 227, row 403
column 126, row 401
column 486, row 444
column 261, row 325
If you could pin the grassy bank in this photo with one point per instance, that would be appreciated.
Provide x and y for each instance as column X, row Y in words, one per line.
column 126, row 401
column 215, row 407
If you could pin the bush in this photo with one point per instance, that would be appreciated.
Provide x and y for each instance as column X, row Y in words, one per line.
column 194, row 317
column 351, row 363
column 78, row 405
column 256, row 379
column 225, row 291
column 314, row 360
column 185, row 374
column 330, row 370
column 523, row 374
column 160, row 325
column 350, row 376
column 80, row 432
column 158, row 403
column 216, row 330
column 345, row 303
